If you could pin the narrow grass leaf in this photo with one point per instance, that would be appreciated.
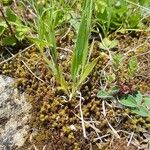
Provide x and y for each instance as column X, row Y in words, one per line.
column 90, row 51
column 2, row 29
column 63, row 83
column 80, row 51
column 89, row 67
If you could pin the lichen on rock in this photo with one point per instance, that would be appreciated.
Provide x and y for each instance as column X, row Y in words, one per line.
column 14, row 115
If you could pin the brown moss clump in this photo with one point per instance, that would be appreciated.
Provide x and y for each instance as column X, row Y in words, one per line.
column 121, row 144
column 54, row 119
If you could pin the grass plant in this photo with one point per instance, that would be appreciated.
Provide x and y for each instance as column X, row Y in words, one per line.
column 46, row 40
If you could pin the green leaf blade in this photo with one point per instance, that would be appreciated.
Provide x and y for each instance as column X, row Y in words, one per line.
column 88, row 69
column 11, row 16
column 80, row 51
column 2, row 29
column 129, row 102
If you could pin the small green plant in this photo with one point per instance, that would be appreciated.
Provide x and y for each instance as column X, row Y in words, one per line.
column 138, row 104
column 108, row 44
column 48, row 15
column 132, row 66
column 80, row 65
column 119, row 63
column 12, row 29
column 108, row 94
column 6, row 2
column 111, row 15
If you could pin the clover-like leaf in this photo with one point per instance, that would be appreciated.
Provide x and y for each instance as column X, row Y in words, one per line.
column 141, row 111
column 138, row 97
column 117, row 60
column 133, row 66
column 108, row 44
column 114, row 90
column 147, row 101
column 129, row 101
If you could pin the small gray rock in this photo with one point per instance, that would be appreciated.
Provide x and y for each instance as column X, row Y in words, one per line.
column 14, row 115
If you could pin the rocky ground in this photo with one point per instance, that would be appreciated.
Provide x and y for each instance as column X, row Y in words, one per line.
column 34, row 114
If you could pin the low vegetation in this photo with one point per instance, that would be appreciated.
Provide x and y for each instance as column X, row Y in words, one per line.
column 84, row 66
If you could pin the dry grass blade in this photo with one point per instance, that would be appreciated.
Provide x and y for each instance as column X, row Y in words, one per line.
column 113, row 130
column 82, row 119
column 13, row 56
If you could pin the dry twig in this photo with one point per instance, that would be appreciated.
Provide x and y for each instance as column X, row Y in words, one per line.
column 13, row 56
column 81, row 113
column 27, row 66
